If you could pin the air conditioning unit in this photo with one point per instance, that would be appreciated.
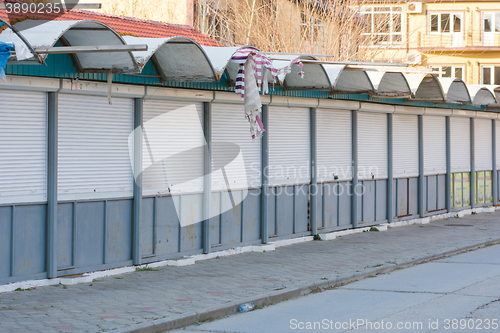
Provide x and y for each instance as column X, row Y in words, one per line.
column 414, row 8
column 414, row 58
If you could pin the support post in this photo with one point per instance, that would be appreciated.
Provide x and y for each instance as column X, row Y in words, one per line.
column 421, row 176
column 136, row 224
column 354, row 196
column 314, row 182
column 264, row 195
column 390, row 173
column 207, row 172
column 52, row 119
column 448, row 165
column 494, row 176
column 472, row 177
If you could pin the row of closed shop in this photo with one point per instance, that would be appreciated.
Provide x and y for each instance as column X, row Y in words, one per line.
column 94, row 153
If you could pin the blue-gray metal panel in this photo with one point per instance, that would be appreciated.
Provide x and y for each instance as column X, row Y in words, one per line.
column 344, row 203
column 215, row 230
column 191, row 237
column 413, row 196
column 394, row 197
column 359, row 202
column 119, row 230
column 251, row 216
column 29, row 239
column 381, row 200
column 167, row 226
column 330, row 200
column 147, row 226
column 52, row 185
column 441, row 192
column 64, row 238
column 89, row 247
column 265, row 181
column 271, row 212
column 137, row 187
column 285, row 210
column 230, row 219
column 301, row 209
column 402, row 195
column 5, row 240
column 369, row 195
column 431, row 193
column 319, row 206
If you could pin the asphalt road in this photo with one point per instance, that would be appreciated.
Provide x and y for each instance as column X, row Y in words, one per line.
column 455, row 294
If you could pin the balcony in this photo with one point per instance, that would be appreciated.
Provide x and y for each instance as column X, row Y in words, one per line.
column 470, row 41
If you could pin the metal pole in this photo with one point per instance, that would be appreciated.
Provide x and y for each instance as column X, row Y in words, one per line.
column 51, row 251
column 265, row 181
column 390, row 174
column 354, row 197
column 314, row 181
column 421, row 177
column 494, row 176
column 448, row 165
column 207, row 171
column 472, row 177
column 136, row 232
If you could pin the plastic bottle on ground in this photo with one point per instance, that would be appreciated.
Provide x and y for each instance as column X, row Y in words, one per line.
column 247, row 307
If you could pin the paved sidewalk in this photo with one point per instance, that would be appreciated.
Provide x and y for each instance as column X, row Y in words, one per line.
column 182, row 293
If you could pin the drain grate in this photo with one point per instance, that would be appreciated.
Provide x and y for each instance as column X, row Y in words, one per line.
column 458, row 225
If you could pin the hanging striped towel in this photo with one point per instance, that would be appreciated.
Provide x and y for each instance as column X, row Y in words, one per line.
column 239, row 86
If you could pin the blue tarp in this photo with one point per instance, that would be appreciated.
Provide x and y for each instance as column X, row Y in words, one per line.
column 5, row 54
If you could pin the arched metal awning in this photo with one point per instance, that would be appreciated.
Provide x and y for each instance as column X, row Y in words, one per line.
column 425, row 87
column 455, row 90
column 389, row 84
column 481, row 95
column 175, row 59
column 315, row 76
column 346, row 80
column 11, row 35
column 77, row 33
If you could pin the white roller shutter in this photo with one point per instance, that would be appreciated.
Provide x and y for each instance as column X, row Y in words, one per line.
column 230, row 125
column 460, row 144
column 434, row 145
column 23, row 148
column 93, row 154
column 405, row 145
column 289, row 145
column 483, row 145
column 372, row 145
column 334, row 148
column 173, row 128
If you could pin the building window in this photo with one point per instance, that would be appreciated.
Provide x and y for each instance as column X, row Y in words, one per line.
column 384, row 24
column 490, row 75
column 449, row 71
column 491, row 22
column 312, row 29
column 446, row 23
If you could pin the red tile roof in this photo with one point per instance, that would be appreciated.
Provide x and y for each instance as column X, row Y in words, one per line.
column 123, row 25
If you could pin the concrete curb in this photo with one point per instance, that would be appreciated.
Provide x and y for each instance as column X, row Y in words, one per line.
column 191, row 318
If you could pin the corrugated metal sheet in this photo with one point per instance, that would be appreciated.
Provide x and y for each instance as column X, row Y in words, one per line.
column 483, row 144
column 93, row 147
column 173, row 147
column 289, row 145
column 405, row 145
column 23, row 148
column 372, row 145
column 434, row 145
column 229, row 124
column 334, row 147
column 460, row 144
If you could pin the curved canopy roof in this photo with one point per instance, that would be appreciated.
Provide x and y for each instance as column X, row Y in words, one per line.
column 345, row 80
column 315, row 76
column 481, row 95
column 175, row 59
column 455, row 90
column 389, row 84
column 425, row 87
column 9, row 31
column 77, row 33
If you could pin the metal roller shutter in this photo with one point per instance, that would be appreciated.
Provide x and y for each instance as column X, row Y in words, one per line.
column 172, row 128
column 334, row 148
column 405, row 145
column 23, row 148
column 93, row 155
column 434, row 145
column 230, row 125
column 372, row 145
column 460, row 144
column 483, row 145
column 289, row 145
